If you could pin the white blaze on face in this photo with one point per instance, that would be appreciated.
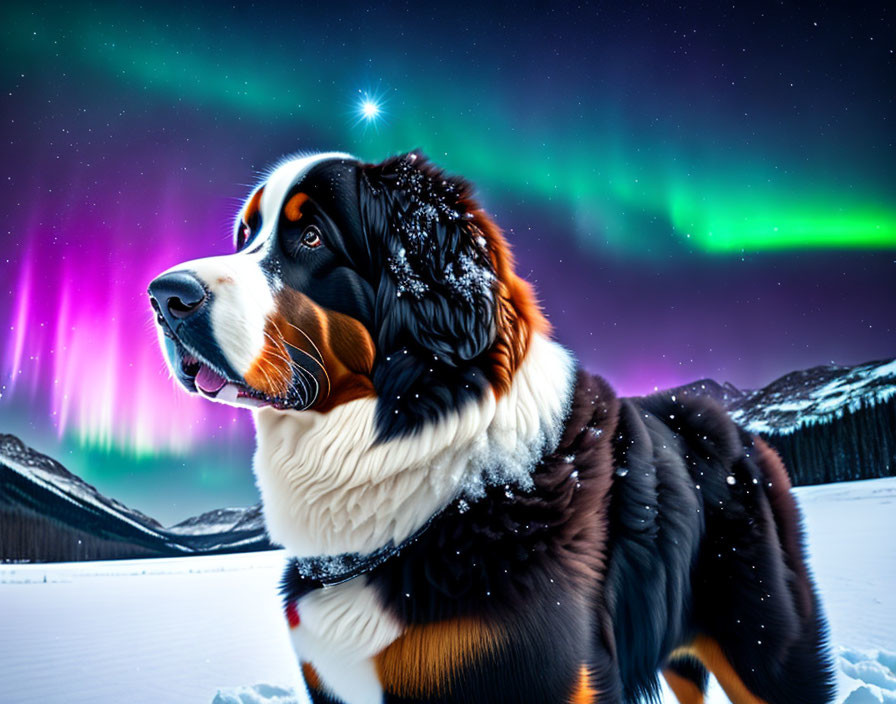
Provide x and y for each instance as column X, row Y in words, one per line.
column 241, row 299
column 242, row 294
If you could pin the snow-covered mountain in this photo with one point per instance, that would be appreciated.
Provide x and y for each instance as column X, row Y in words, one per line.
column 47, row 472
column 221, row 520
column 47, row 513
column 829, row 423
column 224, row 530
column 816, row 395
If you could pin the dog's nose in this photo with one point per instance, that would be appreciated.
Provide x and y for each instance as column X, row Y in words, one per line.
column 177, row 295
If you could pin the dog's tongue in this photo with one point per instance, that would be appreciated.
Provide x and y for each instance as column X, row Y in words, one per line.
column 209, row 381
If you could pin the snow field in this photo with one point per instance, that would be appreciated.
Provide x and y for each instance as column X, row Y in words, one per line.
column 208, row 629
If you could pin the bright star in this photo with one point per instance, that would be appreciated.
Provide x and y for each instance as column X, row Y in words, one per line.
column 369, row 109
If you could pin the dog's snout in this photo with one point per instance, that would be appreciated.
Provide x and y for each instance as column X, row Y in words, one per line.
column 177, row 295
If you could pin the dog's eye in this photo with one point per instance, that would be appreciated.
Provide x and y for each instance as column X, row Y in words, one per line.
column 311, row 237
column 242, row 236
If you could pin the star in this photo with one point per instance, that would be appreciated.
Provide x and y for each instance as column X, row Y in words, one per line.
column 369, row 109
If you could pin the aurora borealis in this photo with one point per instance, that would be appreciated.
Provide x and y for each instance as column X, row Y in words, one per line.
column 695, row 192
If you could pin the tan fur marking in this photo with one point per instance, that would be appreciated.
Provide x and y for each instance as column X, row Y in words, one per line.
column 710, row 654
column 584, row 692
column 271, row 370
column 253, row 205
column 517, row 314
column 293, row 208
column 422, row 662
column 340, row 351
column 312, row 679
column 684, row 690
column 350, row 342
column 683, row 651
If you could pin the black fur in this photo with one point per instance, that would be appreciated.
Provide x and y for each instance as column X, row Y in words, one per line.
column 403, row 257
column 434, row 293
column 655, row 532
column 632, row 542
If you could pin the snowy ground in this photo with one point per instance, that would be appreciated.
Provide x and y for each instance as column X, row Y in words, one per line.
column 205, row 629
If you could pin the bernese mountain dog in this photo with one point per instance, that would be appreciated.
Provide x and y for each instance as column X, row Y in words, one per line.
column 469, row 515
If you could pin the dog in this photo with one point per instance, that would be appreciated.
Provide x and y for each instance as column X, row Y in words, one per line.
column 469, row 515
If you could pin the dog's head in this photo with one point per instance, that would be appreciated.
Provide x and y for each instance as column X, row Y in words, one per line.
column 351, row 280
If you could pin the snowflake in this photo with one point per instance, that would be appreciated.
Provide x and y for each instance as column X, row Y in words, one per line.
column 407, row 280
column 468, row 279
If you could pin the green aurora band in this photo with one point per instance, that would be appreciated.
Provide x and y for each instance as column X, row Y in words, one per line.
column 716, row 197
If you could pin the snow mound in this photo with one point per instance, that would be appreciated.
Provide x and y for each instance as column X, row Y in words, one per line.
column 869, row 677
column 257, row 694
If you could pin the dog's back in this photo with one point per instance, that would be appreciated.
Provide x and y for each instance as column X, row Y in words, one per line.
column 706, row 565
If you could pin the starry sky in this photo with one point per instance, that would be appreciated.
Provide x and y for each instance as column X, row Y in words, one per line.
column 695, row 190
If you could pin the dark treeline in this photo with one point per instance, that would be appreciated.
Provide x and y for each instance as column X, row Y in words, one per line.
column 28, row 536
column 40, row 525
column 861, row 444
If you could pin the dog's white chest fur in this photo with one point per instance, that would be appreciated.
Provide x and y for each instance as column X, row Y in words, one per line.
column 341, row 629
column 328, row 487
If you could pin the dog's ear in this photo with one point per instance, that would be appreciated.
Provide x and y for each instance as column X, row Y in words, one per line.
column 436, row 279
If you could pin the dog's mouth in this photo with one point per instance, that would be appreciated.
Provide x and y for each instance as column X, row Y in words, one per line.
column 197, row 374
column 199, row 377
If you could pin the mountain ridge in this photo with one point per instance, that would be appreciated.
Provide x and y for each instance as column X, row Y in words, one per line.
column 42, row 503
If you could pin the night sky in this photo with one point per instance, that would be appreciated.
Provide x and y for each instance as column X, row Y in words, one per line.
column 694, row 190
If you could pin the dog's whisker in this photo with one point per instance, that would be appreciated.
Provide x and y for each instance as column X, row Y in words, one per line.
column 267, row 377
column 320, row 364
column 295, row 378
column 277, row 353
column 288, row 360
column 319, row 354
column 307, row 338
